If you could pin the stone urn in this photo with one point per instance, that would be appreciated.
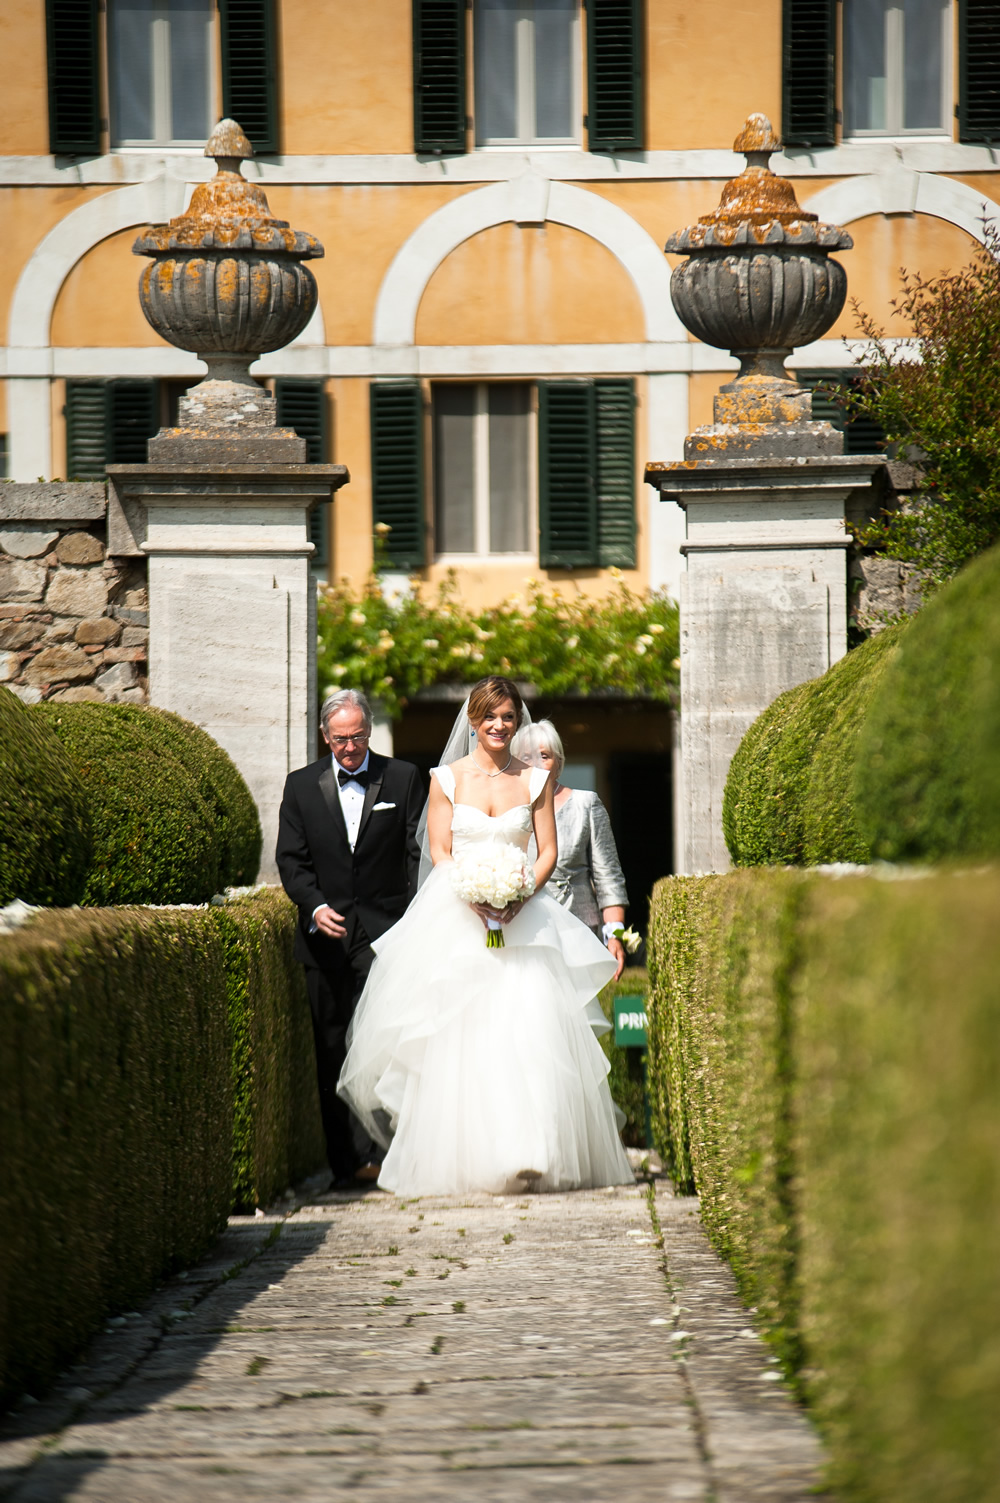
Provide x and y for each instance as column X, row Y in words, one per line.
column 227, row 280
column 758, row 280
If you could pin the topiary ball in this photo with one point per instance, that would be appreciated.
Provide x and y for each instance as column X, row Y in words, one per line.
column 831, row 829
column 760, row 813
column 45, row 827
column 222, row 787
column 155, row 838
column 927, row 778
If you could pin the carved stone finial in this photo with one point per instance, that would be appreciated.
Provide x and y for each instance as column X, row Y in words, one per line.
column 228, row 142
column 757, row 138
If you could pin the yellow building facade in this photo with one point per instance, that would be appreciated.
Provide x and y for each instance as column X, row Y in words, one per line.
column 495, row 355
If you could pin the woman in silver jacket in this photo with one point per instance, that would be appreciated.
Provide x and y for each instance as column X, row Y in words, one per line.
column 588, row 877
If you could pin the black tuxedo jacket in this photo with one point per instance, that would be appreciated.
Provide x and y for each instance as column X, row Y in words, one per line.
column 371, row 884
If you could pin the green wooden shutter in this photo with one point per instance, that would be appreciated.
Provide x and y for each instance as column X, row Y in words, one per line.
column 809, row 34
column 249, row 76
column 616, row 96
column 567, row 490
column 397, row 436
column 87, row 430
column 73, row 76
column 979, row 71
column 302, row 405
column 439, row 76
column 614, row 417
column 862, row 434
column 133, row 419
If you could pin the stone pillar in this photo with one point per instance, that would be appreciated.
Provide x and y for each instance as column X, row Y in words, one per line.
column 222, row 507
column 764, row 489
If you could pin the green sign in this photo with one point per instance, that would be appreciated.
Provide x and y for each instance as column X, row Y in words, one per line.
column 630, row 1022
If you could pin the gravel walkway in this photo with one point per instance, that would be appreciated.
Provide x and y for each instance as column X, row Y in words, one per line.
column 544, row 1347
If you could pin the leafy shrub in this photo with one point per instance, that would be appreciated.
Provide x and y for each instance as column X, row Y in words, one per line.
column 831, row 830
column 760, row 813
column 157, row 1068
column 928, row 770
column 789, row 797
column 154, row 834
column 221, row 785
column 277, row 1130
column 115, row 1116
column 45, row 830
column 625, row 1076
column 834, row 1049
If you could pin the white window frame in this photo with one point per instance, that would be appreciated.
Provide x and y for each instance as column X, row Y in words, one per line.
column 895, row 81
column 162, row 137
column 526, row 86
column 481, row 552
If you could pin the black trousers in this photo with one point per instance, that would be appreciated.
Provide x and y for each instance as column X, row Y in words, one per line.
column 333, row 996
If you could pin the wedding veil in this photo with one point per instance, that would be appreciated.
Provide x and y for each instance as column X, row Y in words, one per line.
column 460, row 743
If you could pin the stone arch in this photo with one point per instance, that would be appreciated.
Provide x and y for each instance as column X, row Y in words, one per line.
column 901, row 191
column 529, row 199
column 69, row 241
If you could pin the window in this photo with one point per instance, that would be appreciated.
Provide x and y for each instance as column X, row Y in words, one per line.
column 526, row 72
column 160, row 72
column 483, row 442
column 302, row 405
column 897, row 67
column 109, row 422
column 862, row 434
column 542, row 469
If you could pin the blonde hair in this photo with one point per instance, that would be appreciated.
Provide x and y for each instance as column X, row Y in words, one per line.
column 539, row 733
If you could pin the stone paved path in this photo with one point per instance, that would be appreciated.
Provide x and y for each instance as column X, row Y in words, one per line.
column 504, row 1349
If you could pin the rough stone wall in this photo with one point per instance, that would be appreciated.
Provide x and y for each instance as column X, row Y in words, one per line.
column 881, row 589
column 74, row 620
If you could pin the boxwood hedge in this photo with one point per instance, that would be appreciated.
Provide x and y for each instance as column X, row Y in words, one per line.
column 790, row 793
column 45, row 827
column 830, row 1048
column 155, row 837
column 157, row 1069
column 928, row 768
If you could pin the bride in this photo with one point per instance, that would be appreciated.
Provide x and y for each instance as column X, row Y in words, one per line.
column 478, row 1067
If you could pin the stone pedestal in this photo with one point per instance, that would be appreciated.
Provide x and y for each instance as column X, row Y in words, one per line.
column 763, row 608
column 232, row 607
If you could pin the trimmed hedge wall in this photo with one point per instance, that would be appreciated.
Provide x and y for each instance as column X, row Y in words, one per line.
column 157, row 1067
column 832, row 1054
column 45, row 831
column 277, row 1130
column 625, row 1079
column 929, row 757
column 790, row 792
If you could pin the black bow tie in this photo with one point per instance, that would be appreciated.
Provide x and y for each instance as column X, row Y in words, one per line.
column 353, row 777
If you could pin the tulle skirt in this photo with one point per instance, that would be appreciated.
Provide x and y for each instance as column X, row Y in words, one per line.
column 472, row 1065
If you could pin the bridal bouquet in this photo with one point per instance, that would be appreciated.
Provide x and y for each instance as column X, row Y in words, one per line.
column 495, row 875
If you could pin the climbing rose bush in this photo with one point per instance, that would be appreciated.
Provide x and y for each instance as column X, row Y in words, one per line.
column 561, row 642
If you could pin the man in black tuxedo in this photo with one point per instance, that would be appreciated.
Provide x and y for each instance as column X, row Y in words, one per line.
column 348, row 857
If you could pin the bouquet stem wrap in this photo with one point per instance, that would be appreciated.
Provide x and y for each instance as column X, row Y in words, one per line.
column 493, row 875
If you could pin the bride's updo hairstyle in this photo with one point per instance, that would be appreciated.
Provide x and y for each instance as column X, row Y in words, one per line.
column 489, row 694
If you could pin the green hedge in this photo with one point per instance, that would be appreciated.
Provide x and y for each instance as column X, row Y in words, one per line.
column 830, row 1049
column 45, row 832
column 625, row 1078
column 277, row 1131
column 237, row 824
column 157, row 1068
column 155, row 822
column 790, row 792
column 928, row 783
column 115, row 1116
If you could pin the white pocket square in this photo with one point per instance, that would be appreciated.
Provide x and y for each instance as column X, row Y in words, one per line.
column 377, row 807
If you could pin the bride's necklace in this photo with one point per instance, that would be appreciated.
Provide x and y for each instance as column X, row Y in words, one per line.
column 497, row 771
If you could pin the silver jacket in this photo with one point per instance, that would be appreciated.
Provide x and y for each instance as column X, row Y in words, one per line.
column 587, row 876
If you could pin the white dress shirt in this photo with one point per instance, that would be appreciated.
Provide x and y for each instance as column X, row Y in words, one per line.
column 352, row 802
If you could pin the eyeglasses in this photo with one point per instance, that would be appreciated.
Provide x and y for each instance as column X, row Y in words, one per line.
column 349, row 740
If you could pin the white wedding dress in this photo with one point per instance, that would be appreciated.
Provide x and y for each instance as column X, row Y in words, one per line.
column 473, row 1064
